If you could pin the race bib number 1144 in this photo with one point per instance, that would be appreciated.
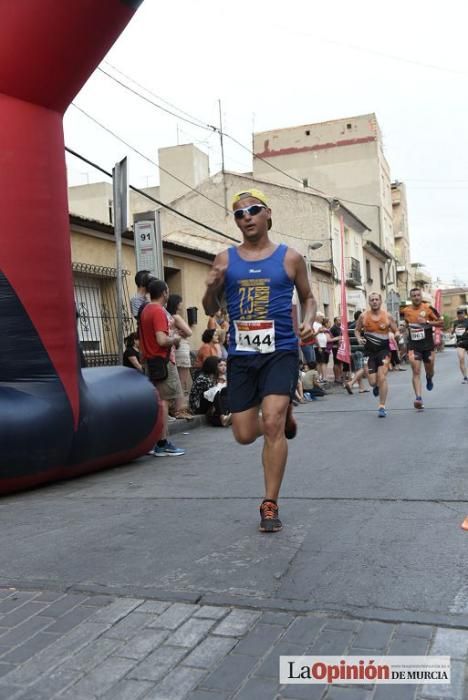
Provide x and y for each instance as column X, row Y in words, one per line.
column 255, row 336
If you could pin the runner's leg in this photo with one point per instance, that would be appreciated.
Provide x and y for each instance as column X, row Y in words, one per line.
column 382, row 382
column 416, row 369
column 247, row 425
column 275, row 447
column 430, row 369
column 461, row 352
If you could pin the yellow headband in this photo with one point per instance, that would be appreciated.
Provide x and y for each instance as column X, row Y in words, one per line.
column 257, row 194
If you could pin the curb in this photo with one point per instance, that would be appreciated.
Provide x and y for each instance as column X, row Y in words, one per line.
column 181, row 425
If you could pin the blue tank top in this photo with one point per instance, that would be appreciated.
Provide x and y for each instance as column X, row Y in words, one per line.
column 256, row 291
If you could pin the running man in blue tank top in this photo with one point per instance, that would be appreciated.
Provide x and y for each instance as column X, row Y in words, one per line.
column 258, row 279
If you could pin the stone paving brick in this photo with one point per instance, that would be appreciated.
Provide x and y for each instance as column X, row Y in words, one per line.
column 128, row 626
column 304, row 630
column 409, row 630
column 332, row 642
column 57, row 652
column 55, row 682
column 208, row 695
column 270, row 666
column 71, row 619
column 49, row 596
column 128, row 690
column 175, row 615
column 231, row 672
column 31, row 694
column 117, row 610
column 213, row 612
column 5, row 668
column 259, row 639
column 64, row 604
column 373, row 635
column 259, row 689
column 177, row 685
column 277, row 618
column 454, row 691
column 156, row 607
column 142, row 644
column 210, row 652
column 8, row 692
column 14, row 601
column 344, row 624
column 190, row 633
column 303, row 692
column 237, row 623
column 25, row 651
column 92, row 654
column 158, row 663
column 387, row 692
column 25, row 630
column 15, row 617
column 103, row 677
column 99, row 601
column 337, row 693
column 408, row 646
column 447, row 642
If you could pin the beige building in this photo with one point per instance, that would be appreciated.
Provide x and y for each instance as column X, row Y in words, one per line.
column 343, row 158
column 402, row 241
column 453, row 299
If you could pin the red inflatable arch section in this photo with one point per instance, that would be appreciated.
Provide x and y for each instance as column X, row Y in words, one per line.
column 55, row 421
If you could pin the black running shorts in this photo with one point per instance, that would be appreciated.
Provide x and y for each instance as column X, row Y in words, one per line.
column 417, row 354
column 251, row 378
column 377, row 359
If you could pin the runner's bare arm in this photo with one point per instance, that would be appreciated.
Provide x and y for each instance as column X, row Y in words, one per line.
column 215, row 284
column 307, row 299
column 357, row 331
column 439, row 320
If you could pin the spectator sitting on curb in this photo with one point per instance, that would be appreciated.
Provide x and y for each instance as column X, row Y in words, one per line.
column 131, row 356
column 208, row 348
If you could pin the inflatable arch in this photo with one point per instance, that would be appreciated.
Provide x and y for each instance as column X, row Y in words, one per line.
column 55, row 420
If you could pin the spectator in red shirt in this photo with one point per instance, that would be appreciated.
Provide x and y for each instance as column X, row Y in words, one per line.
column 155, row 342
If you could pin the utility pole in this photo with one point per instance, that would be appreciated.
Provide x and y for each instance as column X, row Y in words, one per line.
column 221, row 141
column 120, row 195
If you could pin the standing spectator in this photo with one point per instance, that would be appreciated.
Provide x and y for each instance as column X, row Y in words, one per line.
column 219, row 322
column 182, row 353
column 357, row 359
column 142, row 279
column 395, row 362
column 208, row 348
column 158, row 350
column 322, row 335
column 131, row 356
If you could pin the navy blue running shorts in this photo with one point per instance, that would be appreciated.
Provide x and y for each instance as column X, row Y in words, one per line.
column 252, row 377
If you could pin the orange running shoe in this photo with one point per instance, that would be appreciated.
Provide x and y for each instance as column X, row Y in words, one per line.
column 464, row 525
column 269, row 520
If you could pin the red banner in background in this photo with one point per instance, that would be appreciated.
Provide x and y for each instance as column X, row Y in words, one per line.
column 437, row 307
column 344, row 348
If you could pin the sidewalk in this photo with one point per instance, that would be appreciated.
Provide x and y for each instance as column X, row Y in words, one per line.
column 76, row 646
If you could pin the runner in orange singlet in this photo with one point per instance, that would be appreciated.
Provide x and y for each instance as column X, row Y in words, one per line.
column 420, row 317
column 376, row 325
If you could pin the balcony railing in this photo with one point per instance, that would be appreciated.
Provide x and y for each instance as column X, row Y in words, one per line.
column 353, row 271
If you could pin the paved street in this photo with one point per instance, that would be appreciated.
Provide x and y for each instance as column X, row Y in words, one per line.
column 152, row 581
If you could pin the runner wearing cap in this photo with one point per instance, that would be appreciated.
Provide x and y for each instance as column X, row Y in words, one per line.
column 460, row 330
column 376, row 325
column 258, row 279
column 420, row 318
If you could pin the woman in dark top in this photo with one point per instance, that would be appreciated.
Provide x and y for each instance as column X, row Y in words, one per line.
column 205, row 379
column 131, row 356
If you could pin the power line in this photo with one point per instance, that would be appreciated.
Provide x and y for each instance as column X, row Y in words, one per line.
column 116, row 136
column 210, row 127
column 142, row 155
column 152, row 199
column 374, row 52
